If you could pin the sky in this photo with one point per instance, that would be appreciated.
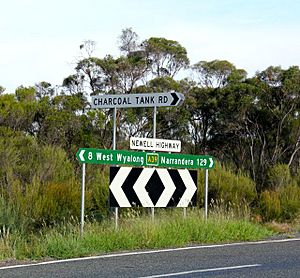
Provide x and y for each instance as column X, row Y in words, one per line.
column 39, row 40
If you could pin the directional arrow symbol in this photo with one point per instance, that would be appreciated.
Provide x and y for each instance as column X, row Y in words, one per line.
column 177, row 99
column 116, row 187
column 211, row 162
column 191, row 188
column 140, row 187
column 81, row 153
column 169, row 188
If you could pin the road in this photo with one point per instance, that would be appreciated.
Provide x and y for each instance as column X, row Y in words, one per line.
column 276, row 258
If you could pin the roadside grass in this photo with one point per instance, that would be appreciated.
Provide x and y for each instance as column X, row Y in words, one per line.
column 168, row 229
column 288, row 228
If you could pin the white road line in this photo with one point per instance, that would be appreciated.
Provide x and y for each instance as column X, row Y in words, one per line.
column 153, row 252
column 202, row 270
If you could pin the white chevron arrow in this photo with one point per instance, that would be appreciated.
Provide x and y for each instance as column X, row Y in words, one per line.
column 169, row 188
column 139, row 187
column 81, row 155
column 116, row 187
column 211, row 162
column 190, row 188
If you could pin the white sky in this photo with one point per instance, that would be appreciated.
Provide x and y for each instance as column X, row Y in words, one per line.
column 39, row 40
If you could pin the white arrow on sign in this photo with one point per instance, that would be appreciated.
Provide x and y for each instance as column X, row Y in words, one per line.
column 137, row 100
column 169, row 188
column 116, row 186
column 211, row 162
column 140, row 187
column 81, row 153
column 190, row 188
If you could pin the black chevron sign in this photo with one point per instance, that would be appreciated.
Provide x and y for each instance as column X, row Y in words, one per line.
column 176, row 99
column 152, row 187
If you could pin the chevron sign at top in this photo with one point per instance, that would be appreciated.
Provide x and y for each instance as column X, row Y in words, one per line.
column 137, row 100
column 158, row 159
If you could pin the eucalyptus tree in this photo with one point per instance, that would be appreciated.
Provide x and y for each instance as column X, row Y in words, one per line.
column 206, row 101
column 167, row 57
column 279, row 127
column 128, row 41
column 2, row 89
column 43, row 89
column 258, row 125
column 217, row 73
column 18, row 110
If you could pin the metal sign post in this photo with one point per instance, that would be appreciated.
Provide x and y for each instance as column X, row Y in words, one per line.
column 114, row 147
column 206, row 193
column 82, row 199
column 154, row 136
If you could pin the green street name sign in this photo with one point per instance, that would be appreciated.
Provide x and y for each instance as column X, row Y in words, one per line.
column 120, row 157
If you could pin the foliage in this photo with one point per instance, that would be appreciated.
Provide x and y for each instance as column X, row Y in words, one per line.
column 278, row 176
column 37, row 183
column 166, row 57
column 282, row 199
column 281, row 204
column 232, row 191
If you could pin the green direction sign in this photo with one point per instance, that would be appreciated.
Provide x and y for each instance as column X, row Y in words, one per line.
column 120, row 157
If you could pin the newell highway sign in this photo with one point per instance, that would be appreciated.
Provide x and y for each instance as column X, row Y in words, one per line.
column 132, row 158
column 152, row 187
column 154, row 144
column 137, row 100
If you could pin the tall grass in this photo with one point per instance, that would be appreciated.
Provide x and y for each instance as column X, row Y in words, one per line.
column 169, row 229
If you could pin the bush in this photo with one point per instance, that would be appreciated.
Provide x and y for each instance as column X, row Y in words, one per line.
column 97, row 185
column 281, row 204
column 233, row 191
column 270, row 206
column 40, row 205
column 37, row 183
column 278, row 175
column 282, row 200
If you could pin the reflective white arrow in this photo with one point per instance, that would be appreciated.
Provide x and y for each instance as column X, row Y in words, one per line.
column 139, row 187
column 169, row 188
column 211, row 162
column 116, row 187
column 190, row 188
column 81, row 155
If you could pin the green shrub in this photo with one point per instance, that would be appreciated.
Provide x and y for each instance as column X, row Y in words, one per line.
column 278, row 175
column 233, row 191
column 281, row 204
column 270, row 206
column 40, row 205
column 290, row 201
column 97, row 184
column 37, row 183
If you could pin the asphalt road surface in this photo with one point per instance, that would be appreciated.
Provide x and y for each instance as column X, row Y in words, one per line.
column 277, row 258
